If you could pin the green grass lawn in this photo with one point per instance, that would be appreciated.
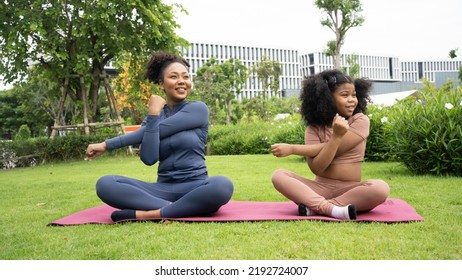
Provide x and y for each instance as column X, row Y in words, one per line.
column 33, row 197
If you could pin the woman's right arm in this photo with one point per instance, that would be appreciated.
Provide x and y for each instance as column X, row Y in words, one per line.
column 150, row 142
column 132, row 138
column 97, row 149
column 149, row 149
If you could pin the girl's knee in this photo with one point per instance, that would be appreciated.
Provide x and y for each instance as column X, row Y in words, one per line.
column 278, row 177
column 381, row 189
column 384, row 188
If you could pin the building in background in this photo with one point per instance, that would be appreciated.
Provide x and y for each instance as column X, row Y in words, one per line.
column 389, row 74
column 377, row 68
column 199, row 53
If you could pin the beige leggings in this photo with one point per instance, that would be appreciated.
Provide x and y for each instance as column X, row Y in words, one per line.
column 322, row 194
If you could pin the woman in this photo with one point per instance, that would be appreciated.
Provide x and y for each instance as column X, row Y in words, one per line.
column 174, row 134
column 333, row 108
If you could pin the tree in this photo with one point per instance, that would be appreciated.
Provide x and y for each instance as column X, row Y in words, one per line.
column 25, row 104
column 453, row 54
column 219, row 83
column 268, row 73
column 73, row 40
column 353, row 68
column 341, row 16
column 131, row 90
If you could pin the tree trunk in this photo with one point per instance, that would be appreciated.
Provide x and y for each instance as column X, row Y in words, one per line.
column 84, row 104
column 338, row 46
column 65, row 87
column 113, row 103
column 94, row 89
column 228, row 111
column 337, row 63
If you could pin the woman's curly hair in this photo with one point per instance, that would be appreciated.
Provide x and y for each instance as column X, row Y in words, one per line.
column 158, row 62
column 318, row 104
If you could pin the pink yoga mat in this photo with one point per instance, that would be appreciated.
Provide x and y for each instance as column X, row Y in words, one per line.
column 391, row 211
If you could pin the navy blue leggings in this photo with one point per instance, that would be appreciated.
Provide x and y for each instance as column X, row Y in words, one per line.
column 197, row 197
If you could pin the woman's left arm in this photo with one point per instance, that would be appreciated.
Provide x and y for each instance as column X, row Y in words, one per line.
column 192, row 115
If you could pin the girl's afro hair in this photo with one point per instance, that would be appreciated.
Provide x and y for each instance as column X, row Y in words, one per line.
column 318, row 105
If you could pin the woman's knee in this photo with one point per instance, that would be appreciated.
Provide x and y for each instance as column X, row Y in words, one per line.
column 104, row 184
column 222, row 188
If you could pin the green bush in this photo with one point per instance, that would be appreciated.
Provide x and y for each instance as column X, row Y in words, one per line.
column 255, row 137
column 23, row 133
column 29, row 152
column 239, row 139
column 426, row 134
column 377, row 145
column 291, row 131
column 18, row 154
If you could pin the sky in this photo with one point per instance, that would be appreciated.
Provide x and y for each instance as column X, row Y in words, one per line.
column 407, row 29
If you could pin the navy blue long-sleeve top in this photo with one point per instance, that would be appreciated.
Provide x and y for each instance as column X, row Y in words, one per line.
column 174, row 138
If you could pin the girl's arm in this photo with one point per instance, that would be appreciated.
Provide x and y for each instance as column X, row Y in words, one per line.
column 283, row 150
column 349, row 141
column 323, row 160
column 357, row 132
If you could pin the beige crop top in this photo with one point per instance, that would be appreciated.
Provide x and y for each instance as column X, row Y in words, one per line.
column 359, row 124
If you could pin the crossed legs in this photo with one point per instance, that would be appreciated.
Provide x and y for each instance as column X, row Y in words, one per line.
column 142, row 200
column 324, row 195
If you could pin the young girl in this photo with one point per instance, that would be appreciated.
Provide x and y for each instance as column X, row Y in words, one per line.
column 174, row 134
column 333, row 108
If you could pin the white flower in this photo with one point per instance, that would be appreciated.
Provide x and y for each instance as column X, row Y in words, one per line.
column 384, row 119
column 370, row 115
column 460, row 103
column 289, row 122
column 264, row 138
column 448, row 106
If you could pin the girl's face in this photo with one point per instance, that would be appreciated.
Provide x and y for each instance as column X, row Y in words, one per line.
column 345, row 100
column 176, row 83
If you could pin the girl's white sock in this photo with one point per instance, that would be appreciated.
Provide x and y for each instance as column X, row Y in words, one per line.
column 344, row 213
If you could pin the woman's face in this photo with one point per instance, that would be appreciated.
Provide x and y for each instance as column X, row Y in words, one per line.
column 176, row 83
column 345, row 100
